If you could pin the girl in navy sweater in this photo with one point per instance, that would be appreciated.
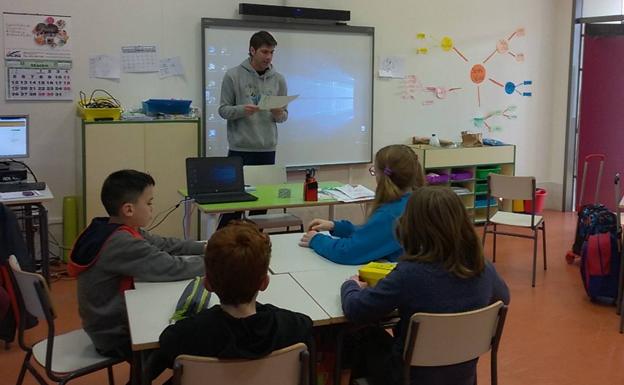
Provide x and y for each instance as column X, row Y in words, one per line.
column 398, row 173
column 442, row 271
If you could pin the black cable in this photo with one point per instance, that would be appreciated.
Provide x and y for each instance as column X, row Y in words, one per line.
column 25, row 165
column 110, row 102
column 151, row 227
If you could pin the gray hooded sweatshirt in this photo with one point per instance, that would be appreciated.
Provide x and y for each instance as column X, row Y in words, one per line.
column 242, row 85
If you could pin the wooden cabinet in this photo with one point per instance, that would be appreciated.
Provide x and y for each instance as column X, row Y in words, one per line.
column 465, row 170
column 158, row 147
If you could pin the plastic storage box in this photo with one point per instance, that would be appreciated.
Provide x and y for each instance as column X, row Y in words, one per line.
column 166, row 106
column 459, row 175
column 482, row 173
column 372, row 272
column 437, row 178
column 94, row 114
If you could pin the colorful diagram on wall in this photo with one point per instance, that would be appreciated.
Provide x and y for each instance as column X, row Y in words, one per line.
column 478, row 71
column 411, row 86
column 482, row 121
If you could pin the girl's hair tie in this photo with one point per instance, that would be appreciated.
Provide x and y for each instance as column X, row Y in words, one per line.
column 387, row 171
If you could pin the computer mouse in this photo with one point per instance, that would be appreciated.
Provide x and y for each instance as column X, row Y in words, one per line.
column 28, row 193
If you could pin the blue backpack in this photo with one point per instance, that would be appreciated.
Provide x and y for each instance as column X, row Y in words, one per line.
column 600, row 257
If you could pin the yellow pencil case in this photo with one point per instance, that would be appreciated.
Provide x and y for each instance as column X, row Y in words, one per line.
column 372, row 272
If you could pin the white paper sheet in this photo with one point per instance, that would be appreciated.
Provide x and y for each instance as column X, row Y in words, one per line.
column 139, row 58
column 104, row 67
column 268, row 102
column 392, row 67
column 171, row 66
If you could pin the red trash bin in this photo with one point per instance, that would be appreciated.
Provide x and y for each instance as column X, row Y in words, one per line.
column 540, row 201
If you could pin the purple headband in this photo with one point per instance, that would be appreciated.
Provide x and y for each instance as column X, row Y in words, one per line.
column 387, row 171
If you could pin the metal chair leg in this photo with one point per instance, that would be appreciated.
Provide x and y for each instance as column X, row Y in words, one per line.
column 494, row 245
column 111, row 377
column 544, row 242
column 534, row 256
column 22, row 373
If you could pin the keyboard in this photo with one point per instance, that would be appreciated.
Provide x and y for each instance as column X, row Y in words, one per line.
column 21, row 186
column 224, row 198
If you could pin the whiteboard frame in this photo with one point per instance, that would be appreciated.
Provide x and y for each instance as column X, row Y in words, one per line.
column 207, row 23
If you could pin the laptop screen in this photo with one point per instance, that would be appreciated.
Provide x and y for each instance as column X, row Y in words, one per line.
column 214, row 174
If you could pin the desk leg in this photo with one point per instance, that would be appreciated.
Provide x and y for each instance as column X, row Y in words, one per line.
column 332, row 212
column 43, row 239
column 209, row 224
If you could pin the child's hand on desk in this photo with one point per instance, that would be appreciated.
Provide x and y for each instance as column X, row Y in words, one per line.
column 356, row 279
column 307, row 237
column 321, row 225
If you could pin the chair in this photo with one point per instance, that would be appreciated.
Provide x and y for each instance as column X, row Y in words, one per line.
column 64, row 357
column 288, row 366
column 448, row 339
column 514, row 187
column 270, row 174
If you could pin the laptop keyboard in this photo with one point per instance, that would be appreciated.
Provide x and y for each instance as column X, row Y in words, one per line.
column 21, row 186
column 224, row 198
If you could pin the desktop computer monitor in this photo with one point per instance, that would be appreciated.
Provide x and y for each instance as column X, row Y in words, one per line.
column 13, row 136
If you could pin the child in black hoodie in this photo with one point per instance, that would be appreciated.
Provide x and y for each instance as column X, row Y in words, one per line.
column 237, row 262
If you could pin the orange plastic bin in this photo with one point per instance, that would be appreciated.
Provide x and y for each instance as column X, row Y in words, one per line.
column 540, row 201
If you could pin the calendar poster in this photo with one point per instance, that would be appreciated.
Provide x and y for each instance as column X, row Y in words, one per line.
column 38, row 37
column 28, row 82
column 139, row 58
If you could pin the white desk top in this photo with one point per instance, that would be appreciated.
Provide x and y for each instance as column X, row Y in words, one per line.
column 151, row 305
column 324, row 287
column 18, row 197
column 287, row 257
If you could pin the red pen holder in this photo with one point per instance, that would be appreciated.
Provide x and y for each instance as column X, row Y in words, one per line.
column 310, row 189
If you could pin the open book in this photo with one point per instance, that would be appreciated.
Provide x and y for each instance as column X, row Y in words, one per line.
column 349, row 193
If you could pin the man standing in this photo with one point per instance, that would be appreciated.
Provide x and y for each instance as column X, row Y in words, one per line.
column 252, row 133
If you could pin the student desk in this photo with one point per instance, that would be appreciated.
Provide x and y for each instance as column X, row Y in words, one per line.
column 268, row 199
column 31, row 208
column 151, row 304
column 288, row 257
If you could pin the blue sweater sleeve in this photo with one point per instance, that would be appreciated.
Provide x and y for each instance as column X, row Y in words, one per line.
column 373, row 240
column 342, row 229
column 371, row 304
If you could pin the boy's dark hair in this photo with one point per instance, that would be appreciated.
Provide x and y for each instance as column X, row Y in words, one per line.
column 261, row 38
column 237, row 261
column 123, row 186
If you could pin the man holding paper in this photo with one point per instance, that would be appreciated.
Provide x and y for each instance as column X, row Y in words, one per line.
column 253, row 100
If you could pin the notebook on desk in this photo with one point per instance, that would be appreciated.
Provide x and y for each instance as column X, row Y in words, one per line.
column 216, row 180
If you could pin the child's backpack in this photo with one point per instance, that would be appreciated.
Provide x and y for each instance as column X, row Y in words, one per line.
column 600, row 257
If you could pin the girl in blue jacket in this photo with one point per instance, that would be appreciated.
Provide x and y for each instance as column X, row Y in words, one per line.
column 398, row 173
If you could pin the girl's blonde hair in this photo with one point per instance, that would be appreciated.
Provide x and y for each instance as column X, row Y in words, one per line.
column 435, row 228
column 398, row 170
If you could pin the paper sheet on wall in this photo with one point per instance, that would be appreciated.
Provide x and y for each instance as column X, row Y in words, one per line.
column 171, row 66
column 268, row 102
column 392, row 67
column 104, row 67
column 139, row 58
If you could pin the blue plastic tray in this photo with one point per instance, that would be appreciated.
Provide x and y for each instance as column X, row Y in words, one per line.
column 166, row 106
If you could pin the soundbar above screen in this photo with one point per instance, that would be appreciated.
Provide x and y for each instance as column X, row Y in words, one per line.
column 330, row 67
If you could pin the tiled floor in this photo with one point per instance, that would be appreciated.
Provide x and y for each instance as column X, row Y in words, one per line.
column 553, row 334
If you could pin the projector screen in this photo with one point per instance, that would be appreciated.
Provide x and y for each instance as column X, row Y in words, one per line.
column 330, row 67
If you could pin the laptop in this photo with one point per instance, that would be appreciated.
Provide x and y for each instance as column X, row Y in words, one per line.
column 216, row 180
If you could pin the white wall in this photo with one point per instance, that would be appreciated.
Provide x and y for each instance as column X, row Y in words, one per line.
column 102, row 27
